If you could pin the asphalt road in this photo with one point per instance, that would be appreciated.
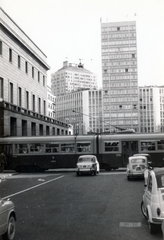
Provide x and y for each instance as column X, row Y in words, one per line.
column 62, row 206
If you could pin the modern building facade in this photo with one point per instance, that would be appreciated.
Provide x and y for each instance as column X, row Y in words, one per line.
column 82, row 110
column 72, row 77
column 51, row 99
column 119, row 75
column 151, row 104
column 23, row 85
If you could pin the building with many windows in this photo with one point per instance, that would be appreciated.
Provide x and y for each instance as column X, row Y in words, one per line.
column 72, row 77
column 151, row 104
column 51, row 99
column 119, row 75
column 23, row 85
column 82, row 110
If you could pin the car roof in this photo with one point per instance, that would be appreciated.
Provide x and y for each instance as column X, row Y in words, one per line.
column 138, row 156
column 86, row 156
column 158, row 171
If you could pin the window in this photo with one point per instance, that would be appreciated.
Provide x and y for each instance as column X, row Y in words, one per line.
column 1, row 87
column 39, row 105
column 118, row 28
column 27, row 99
column 44, row 81
column 26, row 67
column 111, row 146
column 19, row 62
column 38, row 76
column 33, row 102
column 147, row 145
column 11, row 93
column 10, row 55
column 32, row 72
column 19, row 96
column 68, row 147
column 0, row 47
column 44, row 107
column 52, row 147
column 126, row 69
column 83, row 147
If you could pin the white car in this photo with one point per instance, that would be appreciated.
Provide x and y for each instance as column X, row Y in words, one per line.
column 7, row 219
column 152, row 205
column 136, row 167
column 87, row 164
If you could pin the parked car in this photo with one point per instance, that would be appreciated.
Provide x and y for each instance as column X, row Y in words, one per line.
column 7, row 219
column 152, row 205
column 136, row 166
column 87, row 164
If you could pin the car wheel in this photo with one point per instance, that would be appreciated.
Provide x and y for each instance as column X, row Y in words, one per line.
column 10, row 233
column 152, row 227
column 128, row 177
column 77, row 173
column 95, row 172
column 143, row 210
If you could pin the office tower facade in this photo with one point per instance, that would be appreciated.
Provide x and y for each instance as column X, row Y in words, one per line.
column 82, row 110
column 151, row 105
column 119, row 75
column 72, row 77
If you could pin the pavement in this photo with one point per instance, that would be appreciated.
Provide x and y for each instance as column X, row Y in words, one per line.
column 9, row 173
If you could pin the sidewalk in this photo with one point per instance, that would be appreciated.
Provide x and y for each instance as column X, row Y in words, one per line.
column 7, row 173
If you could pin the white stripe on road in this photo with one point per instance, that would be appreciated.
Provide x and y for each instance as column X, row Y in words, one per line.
column 130, row 224
column 28, row 189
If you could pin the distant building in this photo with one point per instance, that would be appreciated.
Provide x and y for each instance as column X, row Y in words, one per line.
column 72, row 77
column 23, row 85
column 151, row 104
column 119, row 75
column 51, row 102
column 82, row 110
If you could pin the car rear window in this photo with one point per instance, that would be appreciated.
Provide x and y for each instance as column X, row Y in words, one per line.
column 86, row 160
column 160, row 181
column 139, row 160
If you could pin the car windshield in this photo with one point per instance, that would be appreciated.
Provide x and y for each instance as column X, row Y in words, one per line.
column 160, row 180
column 86, row 160
column 138, row 160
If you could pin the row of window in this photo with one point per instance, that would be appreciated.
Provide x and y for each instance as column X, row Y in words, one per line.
column 118, row 56
column 121, row 42
column 27, row 99
column 42, row 148
column 27, row 65
column 114, row 29
column 119, row 49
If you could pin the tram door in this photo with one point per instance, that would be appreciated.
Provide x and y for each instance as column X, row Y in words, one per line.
column 128, row 149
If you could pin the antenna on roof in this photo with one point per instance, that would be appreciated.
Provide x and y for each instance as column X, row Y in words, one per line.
column 80, row 64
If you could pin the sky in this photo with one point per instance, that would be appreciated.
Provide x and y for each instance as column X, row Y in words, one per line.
column 71, row 30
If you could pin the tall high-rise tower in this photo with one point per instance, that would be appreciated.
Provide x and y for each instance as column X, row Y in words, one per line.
column 119, row 75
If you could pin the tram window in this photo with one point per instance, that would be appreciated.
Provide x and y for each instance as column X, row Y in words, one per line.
column 160, row 145
column 21, row 148
column 83, row 147
column 111, row 146
column 68, row 147
column 52, row 148
column 147, row 146
column 36, row 148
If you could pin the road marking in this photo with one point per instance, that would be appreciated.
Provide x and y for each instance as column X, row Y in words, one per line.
column 130, row 224
column 28, row 189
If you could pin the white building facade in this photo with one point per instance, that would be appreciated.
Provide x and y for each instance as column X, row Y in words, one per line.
column 119, row 75
column 72, row 77
column 82, row 110
column 23, row 85
column 51, row 99
column 151, row 104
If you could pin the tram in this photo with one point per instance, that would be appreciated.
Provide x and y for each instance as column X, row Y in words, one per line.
column 53, row 152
